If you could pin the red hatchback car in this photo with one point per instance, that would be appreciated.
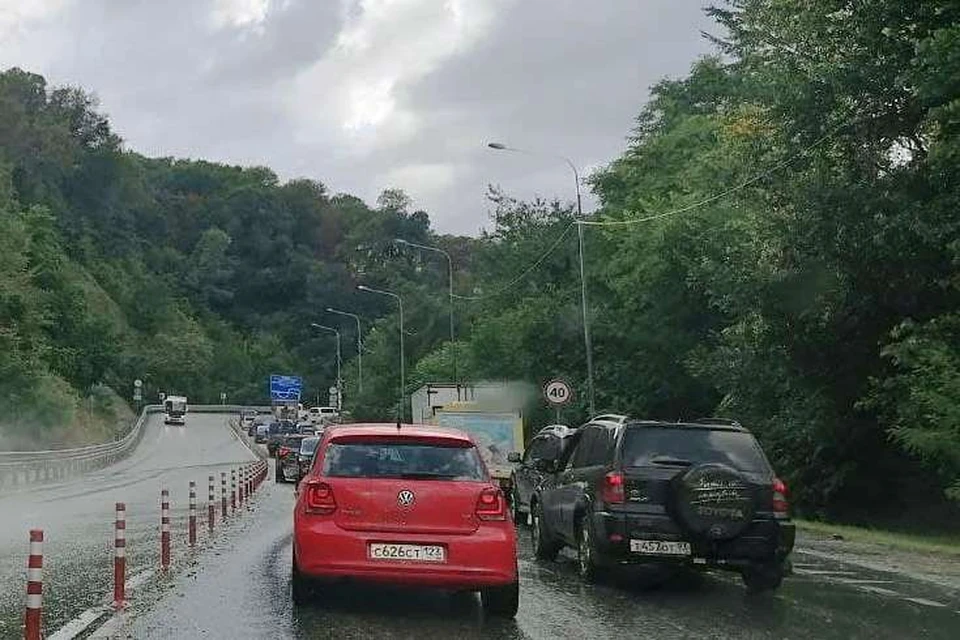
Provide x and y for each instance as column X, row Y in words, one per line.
column 410, row 505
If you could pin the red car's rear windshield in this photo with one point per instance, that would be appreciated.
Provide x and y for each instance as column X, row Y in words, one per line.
column 407, row 460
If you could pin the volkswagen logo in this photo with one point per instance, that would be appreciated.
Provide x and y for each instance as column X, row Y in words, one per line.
column 405, row 498
column 717, row 531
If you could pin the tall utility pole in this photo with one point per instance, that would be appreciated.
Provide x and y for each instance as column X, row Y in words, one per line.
column 453, row 335
column 401, row 411
column 359, row 344
column 584, row 305
column 339, row 377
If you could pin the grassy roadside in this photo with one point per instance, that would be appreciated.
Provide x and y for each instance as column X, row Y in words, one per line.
column 940, row 544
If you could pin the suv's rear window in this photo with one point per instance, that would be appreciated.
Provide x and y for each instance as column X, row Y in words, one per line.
column 735, row 448
column 414, row 461
column 293, row 443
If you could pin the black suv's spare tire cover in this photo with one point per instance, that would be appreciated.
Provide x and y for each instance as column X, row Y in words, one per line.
column 714, row 501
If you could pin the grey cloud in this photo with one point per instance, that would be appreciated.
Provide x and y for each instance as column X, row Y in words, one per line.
column 558, row 75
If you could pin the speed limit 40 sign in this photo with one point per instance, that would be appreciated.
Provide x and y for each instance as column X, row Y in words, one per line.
column 557, row 392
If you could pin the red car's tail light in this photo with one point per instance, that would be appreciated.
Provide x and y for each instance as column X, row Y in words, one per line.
column 781, row 507
column 319, row 498
column 612, row 490
column 282, row 452
column 491, row 505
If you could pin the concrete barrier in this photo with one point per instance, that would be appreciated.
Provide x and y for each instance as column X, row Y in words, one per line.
column 20, row 468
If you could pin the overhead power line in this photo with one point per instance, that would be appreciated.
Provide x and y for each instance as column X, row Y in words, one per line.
column 659, row 216
column 523, row 274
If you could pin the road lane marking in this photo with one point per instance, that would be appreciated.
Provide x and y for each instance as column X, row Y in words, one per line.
column 91, row 616
column 925, row 602
column 824, row 572
column 880, row 590
column 80, row 624
column 856, row 581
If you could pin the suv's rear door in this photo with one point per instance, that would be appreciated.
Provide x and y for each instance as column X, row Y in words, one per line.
column 651, row 456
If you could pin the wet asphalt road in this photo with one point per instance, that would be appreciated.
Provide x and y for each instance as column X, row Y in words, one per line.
column 239, row 588
column 77, row 517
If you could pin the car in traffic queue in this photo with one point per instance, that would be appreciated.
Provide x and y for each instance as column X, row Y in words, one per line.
column 247, row 417
column 278, row 430
column 409, row 505
column 288, row 447
column 698, row 495
column 297, row 464
column 320, row 415
column 262, row 433
column 545, row 448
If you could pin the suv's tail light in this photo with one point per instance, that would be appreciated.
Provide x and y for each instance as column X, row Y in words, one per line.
column 612, row 491
column 491, row 505
column 781, row 508
column 282, row 452
column 319, row 498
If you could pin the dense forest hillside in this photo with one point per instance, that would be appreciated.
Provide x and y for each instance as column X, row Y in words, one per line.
column 779, row 242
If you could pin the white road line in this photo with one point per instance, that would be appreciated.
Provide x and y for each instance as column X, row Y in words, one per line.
column 89, row 617
column 926, row 603
column 824, row 572
column 855, row 581
column 880, row 590
column 79, row 624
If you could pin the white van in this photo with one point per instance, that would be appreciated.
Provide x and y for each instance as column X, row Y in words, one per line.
column 175, row 410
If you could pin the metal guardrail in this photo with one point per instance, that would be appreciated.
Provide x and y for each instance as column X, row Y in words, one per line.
column 18, row 468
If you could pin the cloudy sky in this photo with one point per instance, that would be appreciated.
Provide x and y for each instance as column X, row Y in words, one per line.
column 368, row 94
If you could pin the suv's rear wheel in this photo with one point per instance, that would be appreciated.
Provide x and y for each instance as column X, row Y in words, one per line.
column 544, row 546
column 587, row 565
column 519, row 518
column 763, row 577
column 501, row 602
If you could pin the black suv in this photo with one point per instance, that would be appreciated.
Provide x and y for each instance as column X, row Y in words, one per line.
column 699, row 494
column 544, row 449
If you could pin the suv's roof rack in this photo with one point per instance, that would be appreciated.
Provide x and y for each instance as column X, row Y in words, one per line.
column 560, row 430
column 724, row 421
column 610, row 417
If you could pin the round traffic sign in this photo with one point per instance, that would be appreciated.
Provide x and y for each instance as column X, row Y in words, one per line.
column 557, row 392
column 138, row 382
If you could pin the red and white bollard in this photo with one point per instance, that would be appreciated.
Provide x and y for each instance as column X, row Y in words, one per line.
column 223, row 495
column 164, row 530
column 192, row 520
column 120, row 556
column 233, row 490
column 240, row 488
column 211, row 509
column 34, row 617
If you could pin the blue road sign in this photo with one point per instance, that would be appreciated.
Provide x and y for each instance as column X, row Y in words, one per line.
column 285, row 387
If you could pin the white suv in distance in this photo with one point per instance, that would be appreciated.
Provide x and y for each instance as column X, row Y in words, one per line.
column 319, row 415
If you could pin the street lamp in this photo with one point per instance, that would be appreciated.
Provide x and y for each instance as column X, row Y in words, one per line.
column 403, row 374
column 359, row 344
column 339, row 378
column 591, row 396
column 453, row 337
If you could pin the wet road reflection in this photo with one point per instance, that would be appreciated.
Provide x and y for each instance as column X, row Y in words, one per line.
column 244, row 592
